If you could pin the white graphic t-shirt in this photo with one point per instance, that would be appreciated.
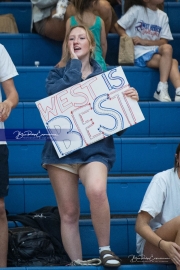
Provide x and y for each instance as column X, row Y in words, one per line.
column 161, row 201
column 146, row 24
column 7, row 71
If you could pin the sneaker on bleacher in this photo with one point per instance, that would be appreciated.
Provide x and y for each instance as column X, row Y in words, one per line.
column 177, row 96
column 161, row 93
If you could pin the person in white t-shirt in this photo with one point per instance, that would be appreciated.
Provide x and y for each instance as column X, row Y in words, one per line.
column 7, row 72
column 158, row 220
column 149, row 28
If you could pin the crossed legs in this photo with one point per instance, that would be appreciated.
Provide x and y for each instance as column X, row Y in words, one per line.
column 168, row 67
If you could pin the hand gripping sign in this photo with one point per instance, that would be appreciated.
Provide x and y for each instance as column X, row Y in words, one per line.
column 89, row 111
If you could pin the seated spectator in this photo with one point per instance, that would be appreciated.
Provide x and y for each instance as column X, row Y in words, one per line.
column 149, row 28
column 158, row 221
column 85, row 15
column 45, row 25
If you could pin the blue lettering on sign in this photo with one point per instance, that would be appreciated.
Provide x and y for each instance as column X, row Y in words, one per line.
column 117, row 116
column 113, row 82
column 61, row 131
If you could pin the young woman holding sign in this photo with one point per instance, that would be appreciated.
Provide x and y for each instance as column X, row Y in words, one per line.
column 91, row 164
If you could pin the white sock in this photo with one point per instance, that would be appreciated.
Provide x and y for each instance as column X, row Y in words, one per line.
column 178, row 91
column 163, row 83
column 107, row 248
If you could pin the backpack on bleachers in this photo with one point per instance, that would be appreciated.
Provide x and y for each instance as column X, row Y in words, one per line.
column 30, row 247
column 45, row 219
column 8, row 24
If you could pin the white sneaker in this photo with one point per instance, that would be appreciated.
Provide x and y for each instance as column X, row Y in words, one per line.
column 177, row 98
column 161, row 93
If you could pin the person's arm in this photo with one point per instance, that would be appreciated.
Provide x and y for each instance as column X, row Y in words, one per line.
column 11, row 99
column 143, row 229
column 146, row 42
column 62, row 62
column 59, row 80
column 44, row 3
column 119, row 30
column 103, row 40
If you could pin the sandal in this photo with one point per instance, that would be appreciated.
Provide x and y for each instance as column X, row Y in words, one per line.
column 86, row 262
column 111, row 256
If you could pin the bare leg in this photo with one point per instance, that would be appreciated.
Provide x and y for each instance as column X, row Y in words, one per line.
column 54, row 28
column 65, row 185
column 170, row 231
column 94, row 178
column 174, row 74
column 163, row 61
column 3, row 234
column 168, row 67
column 104, row 10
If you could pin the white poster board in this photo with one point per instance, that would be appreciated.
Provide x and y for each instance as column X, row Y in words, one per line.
column 89, row 111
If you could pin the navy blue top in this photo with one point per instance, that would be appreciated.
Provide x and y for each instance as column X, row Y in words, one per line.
column 103, row 150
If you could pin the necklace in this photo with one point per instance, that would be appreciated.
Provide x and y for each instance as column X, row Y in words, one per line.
column 85, row 74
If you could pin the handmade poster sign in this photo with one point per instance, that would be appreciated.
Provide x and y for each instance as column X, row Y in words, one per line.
column 89, row 111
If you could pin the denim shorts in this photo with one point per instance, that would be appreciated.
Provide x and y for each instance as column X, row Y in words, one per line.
column 4, row 171
column 143, row 59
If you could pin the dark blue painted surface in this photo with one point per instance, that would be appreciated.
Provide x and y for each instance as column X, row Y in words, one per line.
column 148, row 155
column 14, row 45
column 21, row 12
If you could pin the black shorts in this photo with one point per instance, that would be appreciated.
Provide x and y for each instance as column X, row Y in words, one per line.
column 4, row 171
